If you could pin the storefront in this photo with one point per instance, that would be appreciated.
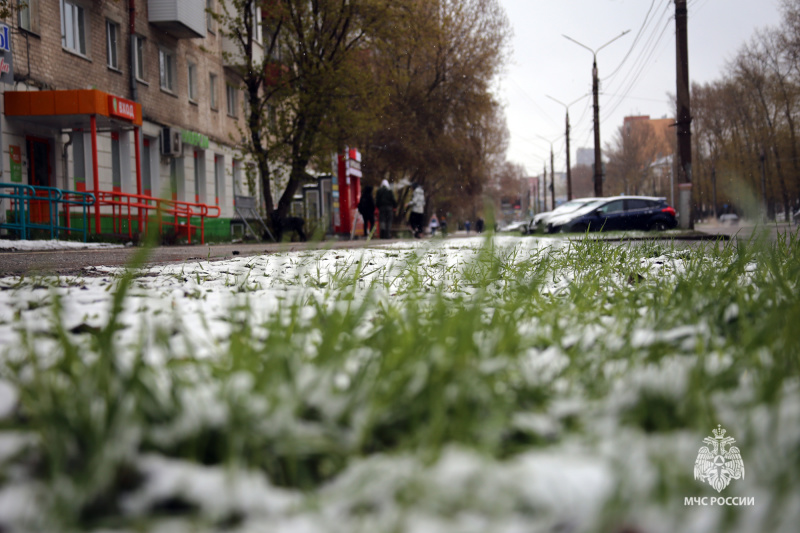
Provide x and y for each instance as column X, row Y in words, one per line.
column 43, row 125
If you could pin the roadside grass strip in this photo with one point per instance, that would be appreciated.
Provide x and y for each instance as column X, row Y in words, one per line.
column 496, row 384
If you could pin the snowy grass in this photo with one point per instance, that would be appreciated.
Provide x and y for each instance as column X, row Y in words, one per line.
column 505, row 384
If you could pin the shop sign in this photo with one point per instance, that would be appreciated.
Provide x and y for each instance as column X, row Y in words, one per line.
column 6, row 58
column 195, row 139
column 15, row 154
column 121, row 108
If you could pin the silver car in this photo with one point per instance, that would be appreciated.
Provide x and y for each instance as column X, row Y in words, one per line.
column 539, row 222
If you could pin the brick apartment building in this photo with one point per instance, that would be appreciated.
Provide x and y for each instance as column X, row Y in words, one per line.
column 152, row 69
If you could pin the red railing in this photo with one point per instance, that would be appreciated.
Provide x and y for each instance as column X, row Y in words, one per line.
column 168, row 212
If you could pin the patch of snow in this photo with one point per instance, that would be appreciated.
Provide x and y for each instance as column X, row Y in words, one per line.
column 55, row 244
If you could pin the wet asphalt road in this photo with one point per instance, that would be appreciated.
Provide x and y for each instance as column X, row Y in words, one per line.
column 71, row 262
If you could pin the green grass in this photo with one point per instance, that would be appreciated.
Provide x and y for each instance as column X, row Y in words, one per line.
column 628, row 354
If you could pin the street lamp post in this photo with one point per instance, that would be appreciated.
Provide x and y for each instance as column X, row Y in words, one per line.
column 552, row 174
column 598, row 157
column 569, row 166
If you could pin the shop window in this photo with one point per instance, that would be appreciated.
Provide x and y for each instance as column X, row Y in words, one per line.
column 147, row 174
column 79, row 161
column 166, row 69
column 191, row 73
column 73, row 27
column 112, row 44
column 199, row 176
column 116, row 162
column 28, row 15
column 219, row 179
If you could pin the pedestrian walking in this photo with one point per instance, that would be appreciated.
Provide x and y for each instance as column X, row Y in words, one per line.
column 467, row 226
column 417, row 204
column 386, row 203
column 366, row 206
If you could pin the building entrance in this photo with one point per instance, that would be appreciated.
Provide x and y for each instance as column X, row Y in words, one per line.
column 39, row 174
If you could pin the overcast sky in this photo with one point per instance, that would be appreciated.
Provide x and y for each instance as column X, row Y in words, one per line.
column 545, row 63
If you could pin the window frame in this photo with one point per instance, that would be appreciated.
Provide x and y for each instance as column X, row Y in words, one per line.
column 212, row 91
column 231, row 100
column 167, row 71
column 191, row 80
column 211, row 23
column 138, row 58
column 28, row 15
column 112, row 46
column 78, row 29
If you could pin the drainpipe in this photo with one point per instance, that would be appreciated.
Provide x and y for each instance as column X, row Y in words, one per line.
column 132, row 39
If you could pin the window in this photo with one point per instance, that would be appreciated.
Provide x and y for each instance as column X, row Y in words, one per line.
column 191, row 72
column 634, row 204
column 259, row 37
column 138, row 57
column 28, row 15
column 212, row 90
column 73, row 27
column 166, row 70
column 230, row 91
column 112, row 36
column 612, row 207
column 211, row 24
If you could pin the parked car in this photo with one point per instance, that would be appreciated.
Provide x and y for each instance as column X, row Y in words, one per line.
column 539, row 222
column 518, row 225
column 616, row 214
column 729, row 218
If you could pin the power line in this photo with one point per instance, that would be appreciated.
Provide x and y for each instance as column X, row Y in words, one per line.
column 645, row 23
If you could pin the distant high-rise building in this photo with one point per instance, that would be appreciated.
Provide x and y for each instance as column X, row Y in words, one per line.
column 585, row 156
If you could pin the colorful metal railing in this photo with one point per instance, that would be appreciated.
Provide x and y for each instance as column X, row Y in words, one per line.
column 141, row 208
column 40, row 208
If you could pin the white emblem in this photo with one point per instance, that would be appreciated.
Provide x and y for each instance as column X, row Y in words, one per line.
column 718, row 467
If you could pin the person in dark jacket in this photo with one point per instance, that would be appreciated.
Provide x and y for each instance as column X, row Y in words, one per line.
column 386, row 203
column 366, row 206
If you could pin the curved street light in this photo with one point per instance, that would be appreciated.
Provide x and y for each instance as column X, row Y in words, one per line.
column 569, row 166
column 598, row 159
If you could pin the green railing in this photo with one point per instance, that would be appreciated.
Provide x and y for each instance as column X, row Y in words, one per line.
column 40, row 208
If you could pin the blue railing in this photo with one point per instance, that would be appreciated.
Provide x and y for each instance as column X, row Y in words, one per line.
column 45, row 204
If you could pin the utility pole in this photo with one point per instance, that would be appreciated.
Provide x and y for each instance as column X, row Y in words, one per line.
column 598, row 156
column 569, row 165
column 763, row 160
column 552, row 180
column 544, row 187
column 684, row 119
column 714, row 188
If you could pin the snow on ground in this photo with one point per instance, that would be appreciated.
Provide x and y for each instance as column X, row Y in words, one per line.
column 34, row 245
column 563, row 487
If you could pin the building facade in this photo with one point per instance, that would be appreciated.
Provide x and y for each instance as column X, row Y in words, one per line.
column 163, row 63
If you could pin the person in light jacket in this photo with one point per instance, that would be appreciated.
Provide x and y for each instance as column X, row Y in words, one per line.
column 386, row 203
column 417, row 203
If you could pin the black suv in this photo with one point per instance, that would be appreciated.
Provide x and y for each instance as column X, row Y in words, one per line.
column 618, row 213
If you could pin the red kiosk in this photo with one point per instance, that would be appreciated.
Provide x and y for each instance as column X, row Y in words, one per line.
column 346, row 191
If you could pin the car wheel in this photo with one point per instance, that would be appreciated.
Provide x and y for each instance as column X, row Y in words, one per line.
column 658, row 225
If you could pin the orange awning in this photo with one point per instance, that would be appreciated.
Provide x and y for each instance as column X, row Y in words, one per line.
column 72, row 108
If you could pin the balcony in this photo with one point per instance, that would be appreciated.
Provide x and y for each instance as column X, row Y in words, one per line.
column 183, row 19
